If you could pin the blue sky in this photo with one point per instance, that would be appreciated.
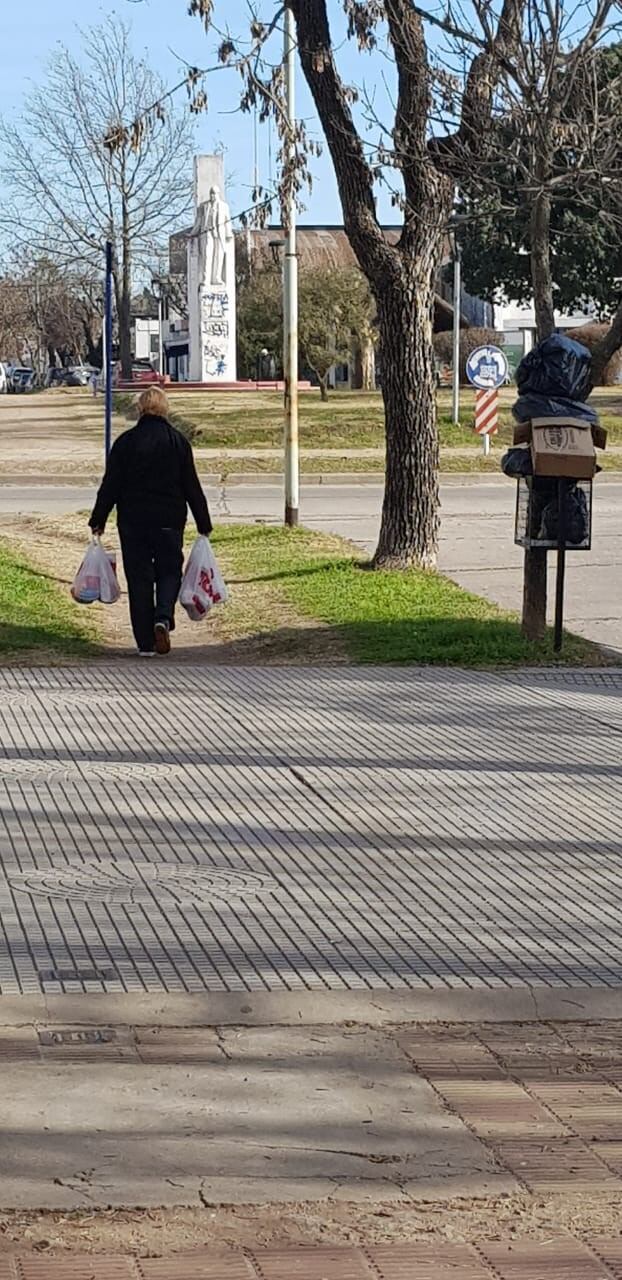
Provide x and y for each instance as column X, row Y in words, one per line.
column 163, row 30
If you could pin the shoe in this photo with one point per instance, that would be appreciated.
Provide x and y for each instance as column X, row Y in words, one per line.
column 162, row 638
column 146, row 653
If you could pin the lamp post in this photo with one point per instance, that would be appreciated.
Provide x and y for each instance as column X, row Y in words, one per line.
column 457, row 293
column 290, row 289
column 157, row 286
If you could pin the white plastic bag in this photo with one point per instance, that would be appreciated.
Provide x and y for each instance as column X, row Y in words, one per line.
column 203, row 585
column 96, row 579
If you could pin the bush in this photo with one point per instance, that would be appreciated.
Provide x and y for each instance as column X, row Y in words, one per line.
column 589, row 335
column 469, row 340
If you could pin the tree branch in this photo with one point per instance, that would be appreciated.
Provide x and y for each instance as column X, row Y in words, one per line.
column 354, row 175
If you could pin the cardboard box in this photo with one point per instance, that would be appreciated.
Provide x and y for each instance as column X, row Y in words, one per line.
column 522, row 433
column 562, row 447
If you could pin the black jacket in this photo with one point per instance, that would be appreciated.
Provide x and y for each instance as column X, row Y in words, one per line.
column 152, row 480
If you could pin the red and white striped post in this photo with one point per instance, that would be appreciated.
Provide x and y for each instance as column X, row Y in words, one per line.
column 487, row 415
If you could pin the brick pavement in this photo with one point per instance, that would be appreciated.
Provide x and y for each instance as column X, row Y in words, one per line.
column 183, row 830
column 556, row 1258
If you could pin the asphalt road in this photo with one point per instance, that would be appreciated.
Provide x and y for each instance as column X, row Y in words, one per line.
column 477, row 547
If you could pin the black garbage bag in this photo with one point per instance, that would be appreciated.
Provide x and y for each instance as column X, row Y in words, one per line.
column 533, row 405
column 577, row 517
column 558, row 368
column 517, row 462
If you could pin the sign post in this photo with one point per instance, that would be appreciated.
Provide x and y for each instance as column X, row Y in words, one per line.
column 487, row 370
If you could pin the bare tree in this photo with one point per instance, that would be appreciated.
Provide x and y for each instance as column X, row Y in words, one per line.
column 49, row 315
column 551, row 175
column 69, row 189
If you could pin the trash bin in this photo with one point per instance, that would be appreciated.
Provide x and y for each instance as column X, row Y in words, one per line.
column 537, row 514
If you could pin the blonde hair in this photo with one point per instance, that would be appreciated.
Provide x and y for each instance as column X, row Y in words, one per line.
column 153, row 400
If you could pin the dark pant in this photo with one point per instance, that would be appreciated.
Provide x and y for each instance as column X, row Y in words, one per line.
column 153, row 561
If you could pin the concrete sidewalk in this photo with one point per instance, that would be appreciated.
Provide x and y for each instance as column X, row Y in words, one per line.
column 156, row 1116
column 496, row 1149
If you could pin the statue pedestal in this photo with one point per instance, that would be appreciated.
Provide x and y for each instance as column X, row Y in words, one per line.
column 211, row 286
column 212, row 335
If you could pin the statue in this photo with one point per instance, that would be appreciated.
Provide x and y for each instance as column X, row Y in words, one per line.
column 211, row 279
column 215, row 233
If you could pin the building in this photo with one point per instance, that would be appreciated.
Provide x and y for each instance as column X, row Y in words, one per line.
column 517, row 322
column 318, row 246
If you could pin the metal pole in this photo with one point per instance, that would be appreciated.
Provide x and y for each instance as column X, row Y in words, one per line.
column 290, row 292
column 108, row 352
column 160, row 337
column 486, row 444
column 456, row 347
column 561, row 564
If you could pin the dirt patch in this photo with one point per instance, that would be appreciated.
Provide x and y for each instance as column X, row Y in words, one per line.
column 163, row 1231
column 257, row 626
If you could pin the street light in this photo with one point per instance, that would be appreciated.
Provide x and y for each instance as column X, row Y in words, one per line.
column 158, row 288
column 290, row 287
column 457, row 293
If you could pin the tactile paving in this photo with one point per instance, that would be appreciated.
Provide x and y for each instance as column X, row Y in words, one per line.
column 183, row 829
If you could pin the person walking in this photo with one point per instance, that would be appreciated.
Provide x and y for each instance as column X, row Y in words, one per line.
column 151, row 478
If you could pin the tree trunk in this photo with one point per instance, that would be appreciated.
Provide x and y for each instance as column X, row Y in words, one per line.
column 410, row 522
column 535, row 570
column 323, row 381
column 541, row 274
column 368, row 363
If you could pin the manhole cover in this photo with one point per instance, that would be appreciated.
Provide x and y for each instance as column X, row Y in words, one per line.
column 76, row 772
column 77, row 1035
column 127, row 883
column 40, row 699
column 77, row 975
column 16, row 770
column 119, row 771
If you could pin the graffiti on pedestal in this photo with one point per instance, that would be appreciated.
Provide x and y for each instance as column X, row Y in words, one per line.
column 214, row 333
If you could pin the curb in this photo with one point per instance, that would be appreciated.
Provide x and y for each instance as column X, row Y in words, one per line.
column 375, row 1009
column 275, row 479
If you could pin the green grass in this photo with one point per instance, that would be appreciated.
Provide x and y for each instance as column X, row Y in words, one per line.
column 349, row 420
column 254, row 420
column 383, row 617
column 36, row 614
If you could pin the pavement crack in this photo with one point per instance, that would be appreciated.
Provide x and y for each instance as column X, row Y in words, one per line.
column 207, row 1204
column 534, row 1001
column 220, row 1043
column 315, row 791
column 223, row 503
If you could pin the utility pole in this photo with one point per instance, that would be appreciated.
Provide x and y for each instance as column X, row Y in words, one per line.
column 108, row 352
column 456, row 371
column 290, row 289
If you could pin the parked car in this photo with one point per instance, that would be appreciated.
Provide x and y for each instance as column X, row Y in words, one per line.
column 143, row 371
column 22, row 378
column 79, row 375
column 3, row 380
column 56, row 378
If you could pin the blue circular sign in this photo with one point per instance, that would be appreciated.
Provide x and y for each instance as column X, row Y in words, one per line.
column 487, row 368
